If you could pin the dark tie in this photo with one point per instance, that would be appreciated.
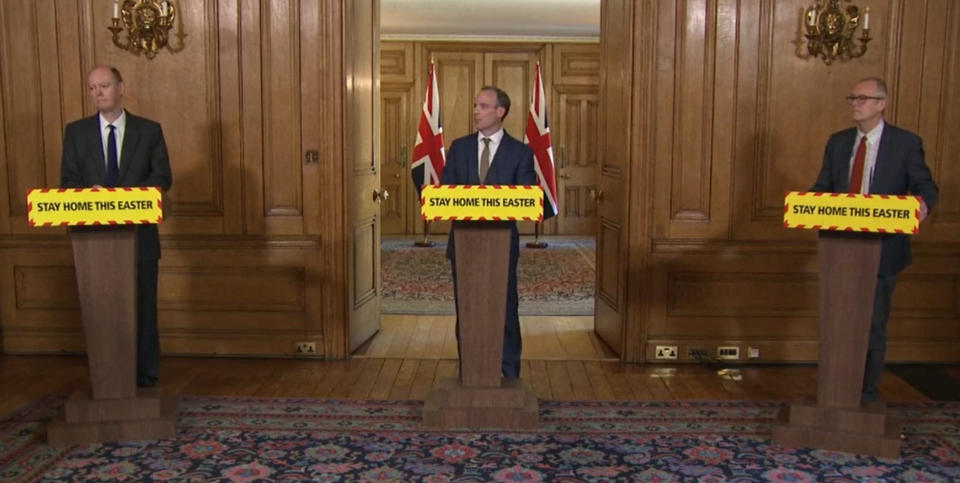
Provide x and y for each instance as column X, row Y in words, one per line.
column 113, row 168
column 485, row 160
column 856, row 175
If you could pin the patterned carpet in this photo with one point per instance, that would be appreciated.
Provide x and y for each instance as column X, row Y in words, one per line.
column 229, row 439
column 558, row 280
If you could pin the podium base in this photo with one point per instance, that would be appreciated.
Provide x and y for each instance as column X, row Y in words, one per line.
column 509, row 406
column 149, row 416
column 867, row 431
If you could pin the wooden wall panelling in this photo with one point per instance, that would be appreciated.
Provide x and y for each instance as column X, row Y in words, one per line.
column 574, row 64
column 397, row 63
column 23, row 84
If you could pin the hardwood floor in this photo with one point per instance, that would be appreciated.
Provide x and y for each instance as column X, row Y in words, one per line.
column 562, row 359
column 432, row 337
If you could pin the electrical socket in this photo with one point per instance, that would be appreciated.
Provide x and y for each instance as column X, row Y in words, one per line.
column 728, row 352
column 753, row 352
column 305, row 348
column 666, row 352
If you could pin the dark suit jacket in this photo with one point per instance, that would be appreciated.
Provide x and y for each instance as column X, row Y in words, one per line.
column 512, row 165
column 900, row 169
column 143, row 162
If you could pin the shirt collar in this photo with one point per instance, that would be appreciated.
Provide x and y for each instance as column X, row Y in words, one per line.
column 874, row 135
column 494, row 138
column 119, row 123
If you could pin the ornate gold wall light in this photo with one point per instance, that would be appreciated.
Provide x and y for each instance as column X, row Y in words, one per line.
column 830, row 31
column 147, row 23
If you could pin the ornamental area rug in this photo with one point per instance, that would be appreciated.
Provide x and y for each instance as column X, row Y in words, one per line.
column 270, row 439
column 557, row 280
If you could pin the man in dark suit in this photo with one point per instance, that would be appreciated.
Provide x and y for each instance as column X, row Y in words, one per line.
column 116, row 148
column 491, row 156
column 877, row 158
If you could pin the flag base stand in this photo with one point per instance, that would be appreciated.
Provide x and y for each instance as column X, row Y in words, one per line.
column 426, row 242
column 536, row 243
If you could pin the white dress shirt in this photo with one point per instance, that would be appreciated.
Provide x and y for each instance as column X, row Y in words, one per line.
column 870, row 160
column 495, row 139
column 120, row 125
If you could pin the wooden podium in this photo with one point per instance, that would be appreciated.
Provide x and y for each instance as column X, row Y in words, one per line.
column 113, row 410
column 837, row 421
column 480, row 397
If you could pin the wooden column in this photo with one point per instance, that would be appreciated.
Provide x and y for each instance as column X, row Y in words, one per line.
column 114, row 410
column 481, row 398
column 837, row 420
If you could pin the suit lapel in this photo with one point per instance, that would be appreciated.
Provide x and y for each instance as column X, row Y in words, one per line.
column 130, row 136
column 473, row 162
column 95, row 144
column 882, row 164
column 849, row 144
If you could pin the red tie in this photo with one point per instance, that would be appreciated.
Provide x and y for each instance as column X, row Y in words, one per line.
column 856, row 176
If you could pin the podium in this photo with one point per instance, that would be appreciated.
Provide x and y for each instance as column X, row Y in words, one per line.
column 480, row 397
column 837, row 420
column 103, row 233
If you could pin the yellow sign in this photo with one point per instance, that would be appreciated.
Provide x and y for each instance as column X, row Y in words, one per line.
column 482, row 203
column 852, row 212
column 94, row 206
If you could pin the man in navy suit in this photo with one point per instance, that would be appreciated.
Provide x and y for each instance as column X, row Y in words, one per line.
column 877, row 158
column 116, row 148
column 491, row 156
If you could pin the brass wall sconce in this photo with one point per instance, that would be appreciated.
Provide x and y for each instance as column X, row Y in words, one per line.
column 147, row 24
column 830, row 31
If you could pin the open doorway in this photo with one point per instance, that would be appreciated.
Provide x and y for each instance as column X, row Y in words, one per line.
column 490, row 48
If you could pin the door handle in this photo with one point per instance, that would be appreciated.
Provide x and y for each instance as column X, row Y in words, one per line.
column 565, row 176
column 380, row 196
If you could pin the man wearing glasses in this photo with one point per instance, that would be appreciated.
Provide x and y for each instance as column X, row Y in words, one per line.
column 877, row 158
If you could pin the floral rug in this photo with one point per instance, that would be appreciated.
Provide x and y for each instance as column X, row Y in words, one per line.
column 557, row 280
column 269, row 439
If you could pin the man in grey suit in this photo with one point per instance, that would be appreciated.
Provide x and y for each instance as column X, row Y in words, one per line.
column 116, row 148
column 491, row 156
column 877, row 158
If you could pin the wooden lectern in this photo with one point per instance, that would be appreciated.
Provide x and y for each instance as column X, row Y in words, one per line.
column 114, row 410
column 481, row 398
column 837, row 421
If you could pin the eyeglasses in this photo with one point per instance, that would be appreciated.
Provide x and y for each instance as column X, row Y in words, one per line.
column 862, row 99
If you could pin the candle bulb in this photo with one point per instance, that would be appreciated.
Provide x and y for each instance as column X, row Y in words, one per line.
column 116, row 9
column 866, row 19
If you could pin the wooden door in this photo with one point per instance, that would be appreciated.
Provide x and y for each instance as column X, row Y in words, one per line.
column 397, row 135
column 575, row 150
column 615, row 108
column 361, row 137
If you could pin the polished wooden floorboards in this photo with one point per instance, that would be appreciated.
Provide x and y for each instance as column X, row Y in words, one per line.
column 563, row 359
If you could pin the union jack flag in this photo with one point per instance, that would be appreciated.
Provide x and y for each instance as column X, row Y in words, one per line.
column 537, row 136
column 428, row 155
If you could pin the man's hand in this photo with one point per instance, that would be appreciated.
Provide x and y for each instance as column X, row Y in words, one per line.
column 923, row 210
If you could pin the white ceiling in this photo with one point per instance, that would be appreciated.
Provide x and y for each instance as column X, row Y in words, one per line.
column 487, row 19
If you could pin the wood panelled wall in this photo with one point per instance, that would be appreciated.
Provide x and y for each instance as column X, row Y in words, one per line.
column 725, row 118
column 253, row 239
column 570, row 76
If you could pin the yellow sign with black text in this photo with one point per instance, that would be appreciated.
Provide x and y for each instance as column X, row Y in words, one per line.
column 482, row 203
column 94, row 206
column 852, row 212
